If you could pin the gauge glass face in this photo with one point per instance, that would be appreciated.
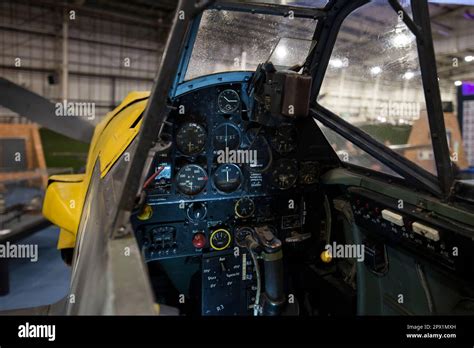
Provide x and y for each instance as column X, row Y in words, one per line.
column 309, row 172
column 197, row 211
column 263, row 153
column 191, row 179
column 191, row 138
column 228, row 101
column 284, row 140
column 241, row 234
column 220, row 239
column 285, row 174
column 226, row 136
column 244, row 207
column 227, row 178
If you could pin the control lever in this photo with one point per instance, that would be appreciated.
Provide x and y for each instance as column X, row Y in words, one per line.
column 249, row 241
column 273, row 299
column 264, row 242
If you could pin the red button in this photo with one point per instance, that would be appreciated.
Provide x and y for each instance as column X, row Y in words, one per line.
column 199, row 240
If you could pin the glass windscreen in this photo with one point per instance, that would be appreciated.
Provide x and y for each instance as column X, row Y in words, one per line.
column 352, row 154
column 455, row 65
column 289, row 52
column 374, row 82
column 239, row 41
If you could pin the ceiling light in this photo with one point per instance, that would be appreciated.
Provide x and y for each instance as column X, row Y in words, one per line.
column 336, row 63
column 375, row 70
column 469, row 58
column 339, row 63
column 401, row 40
column 457, row 83
column 281, row 52
column 408, row 75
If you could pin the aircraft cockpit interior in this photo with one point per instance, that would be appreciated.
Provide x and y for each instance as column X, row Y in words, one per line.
column 253, row 203
column 228, row 190
column 287, row 158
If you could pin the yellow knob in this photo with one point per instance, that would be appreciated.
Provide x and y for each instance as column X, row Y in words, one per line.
column 146, row 213
column 326, row 256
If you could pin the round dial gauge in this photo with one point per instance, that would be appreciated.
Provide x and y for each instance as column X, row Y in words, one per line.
column 244, row 208
column 220, row 239
column 191, row 179
column 284, row 174
column 309, row 172
column 191, row 138
column 197, row 211
column 227, row 178
column 241, row 234
column 226, row 136
column 228, row 101
column 284, row 140
column 258, row 144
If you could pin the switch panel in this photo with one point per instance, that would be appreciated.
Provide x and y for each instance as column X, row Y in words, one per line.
column 416, row 230
column 225, row 289
column 426, row 231
column 392, row 217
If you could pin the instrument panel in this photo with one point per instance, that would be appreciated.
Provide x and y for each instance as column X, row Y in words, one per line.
column 219, row 151
column 224, row 174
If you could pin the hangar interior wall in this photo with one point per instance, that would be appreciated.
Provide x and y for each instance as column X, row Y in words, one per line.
column 105, row 58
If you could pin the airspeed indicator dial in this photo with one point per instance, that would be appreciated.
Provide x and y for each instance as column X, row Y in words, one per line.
column 191, row 138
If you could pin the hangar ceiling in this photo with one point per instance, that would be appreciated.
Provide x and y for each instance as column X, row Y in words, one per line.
column 452, row 25
column 109, row 30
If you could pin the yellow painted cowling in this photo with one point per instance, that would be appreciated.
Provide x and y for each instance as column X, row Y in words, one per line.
column 65, row 194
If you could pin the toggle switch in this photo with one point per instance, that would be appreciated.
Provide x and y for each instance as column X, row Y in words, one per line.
column 426, row 231
column 392, row 217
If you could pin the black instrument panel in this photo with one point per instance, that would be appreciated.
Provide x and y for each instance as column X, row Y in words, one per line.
column 218, row 151
column 224, row 173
